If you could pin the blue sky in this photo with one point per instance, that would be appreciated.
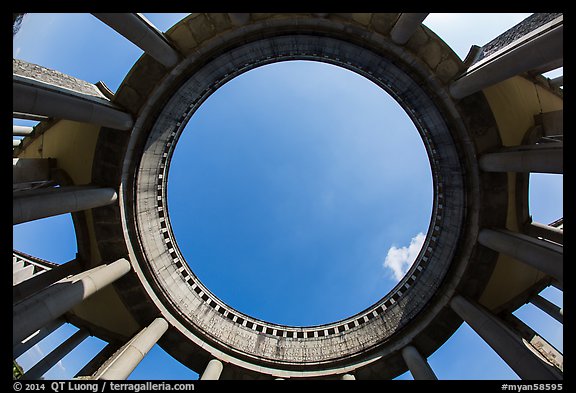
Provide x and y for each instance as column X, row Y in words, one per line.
column 296, row 173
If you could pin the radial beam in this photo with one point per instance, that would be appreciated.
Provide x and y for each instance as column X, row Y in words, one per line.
column 40, row 309
column 35, row 204
column 56, row 355
column 418, row 366
column 540, row 254
column 548, row 158
column 21, row 130
column 548, row 307
column 131, row 354
column 507, row 344
column 405, row 26
column 138, row 30
column 41, row 98
column 538, row 49
column 213, row 370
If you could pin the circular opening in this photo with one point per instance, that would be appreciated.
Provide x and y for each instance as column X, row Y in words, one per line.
column 300, row 193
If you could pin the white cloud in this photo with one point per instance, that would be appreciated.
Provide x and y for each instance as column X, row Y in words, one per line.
column 399, row 260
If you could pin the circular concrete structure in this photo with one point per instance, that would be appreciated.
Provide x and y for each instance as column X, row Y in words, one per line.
column 465, row 270
column 407, row 312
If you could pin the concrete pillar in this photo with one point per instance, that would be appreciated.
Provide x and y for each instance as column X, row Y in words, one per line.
column 405, row 26
column 532, row 52
column 41, row 98
column 138, row 30
column 130, row 355
column 35, row 204
column 541, row 255
column 348, row 377
column 239, row 19
column 21, row 130
column 508, row 345
column 548, row 307
column 548, row 158
column 213, row 370
column 35, row 337
column 45, row 306
column 98, row 360
column 418, row 366
column 44, row 280
column 56, row 355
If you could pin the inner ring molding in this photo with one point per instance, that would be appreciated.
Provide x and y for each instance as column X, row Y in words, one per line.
column 239, row 334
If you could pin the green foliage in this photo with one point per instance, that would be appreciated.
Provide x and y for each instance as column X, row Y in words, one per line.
column 17, row 370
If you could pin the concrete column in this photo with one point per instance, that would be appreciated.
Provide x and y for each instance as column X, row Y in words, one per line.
column 405, row 26
column 98, row 360
column 508, row 345
column 35, row 337
column 348, row 377
column 56, row 355
column 44, row 280
column 138, row 30
column 45, row 306
column 213, row 370
column 548, row 158
column 41, row 98
column 130, row 355
column 533, row 51
column 548, row 307
column 21, row 130
column 418, row 366
column 35, row 204
column 541, row 255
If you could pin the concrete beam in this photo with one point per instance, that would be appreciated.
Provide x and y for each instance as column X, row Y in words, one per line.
column 548, row 307
column 37, row 311
column 542, row 47
column 56, row 355
column 21, row 130
column 213, row 370
column 541, row 255
column 547, row 158
column 97, row 361
column 418, row 366
column 35, row 204
column 507, row 344
column 405, row 26
column 41, row 98
column 44, row 280
column 34, row 338
column 138, row 30
column 130, row 355
column 536, row 229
